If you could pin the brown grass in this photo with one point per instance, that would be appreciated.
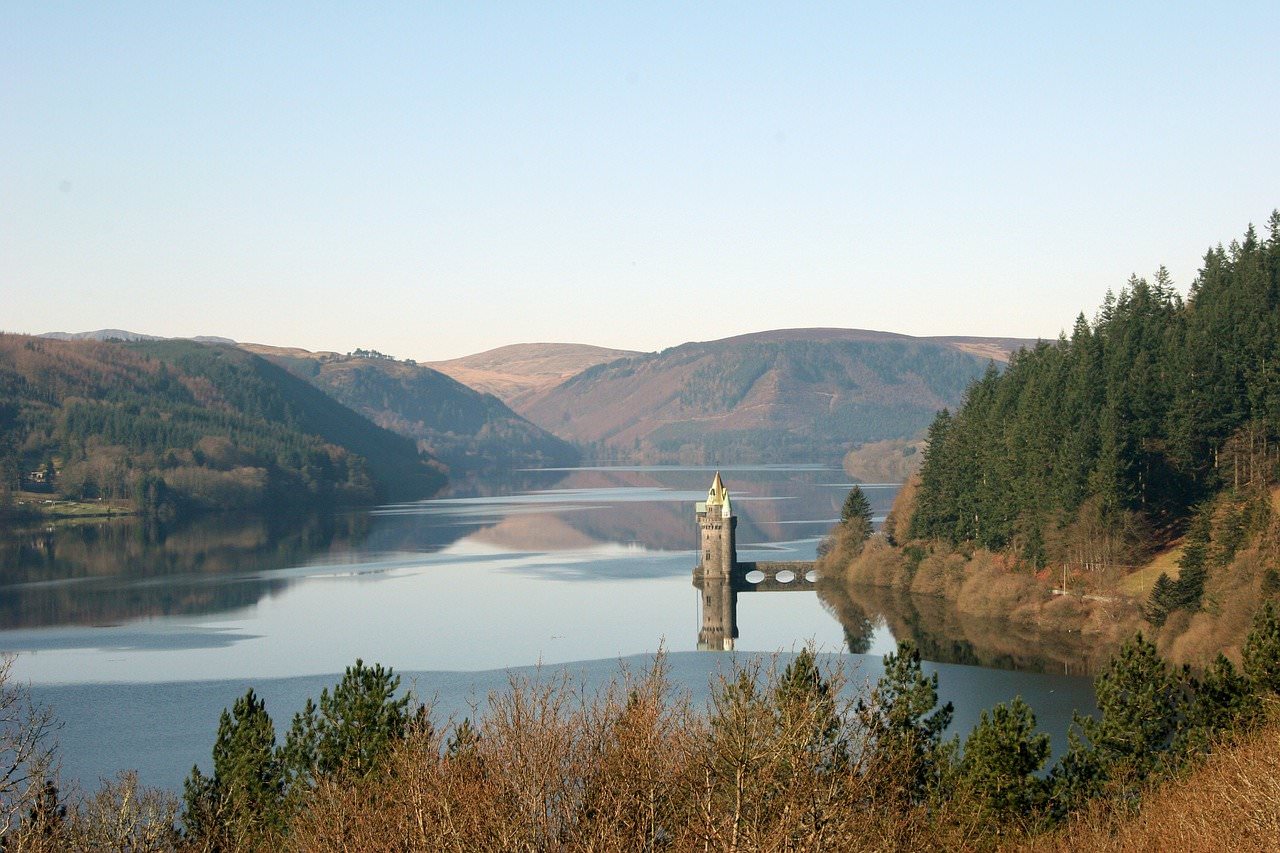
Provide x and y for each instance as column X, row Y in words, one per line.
column 1230, row 802
column 1138, row 583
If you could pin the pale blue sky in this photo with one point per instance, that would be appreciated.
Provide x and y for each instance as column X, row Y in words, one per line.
column 436, row 179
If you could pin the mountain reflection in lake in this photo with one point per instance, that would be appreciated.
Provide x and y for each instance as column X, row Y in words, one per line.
column 138, row 637
column 570, row 565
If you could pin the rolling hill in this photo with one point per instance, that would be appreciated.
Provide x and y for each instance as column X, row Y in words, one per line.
column 178, row 425
column 786, row 395
column 470, row 431
column 517, row 372
column 123, row 335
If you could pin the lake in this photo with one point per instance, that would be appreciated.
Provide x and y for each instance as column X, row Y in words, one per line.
column 138, row 637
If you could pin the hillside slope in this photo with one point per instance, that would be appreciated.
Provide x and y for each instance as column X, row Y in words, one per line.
column 469, row 431
column 1126, row 476
column 182, row 425
column 787, row 395
column 124, row 335
column 516, row 372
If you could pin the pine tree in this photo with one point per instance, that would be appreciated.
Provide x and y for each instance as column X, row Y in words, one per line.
column 1261, row 652
column 904, row 725
column 1002, row 756
column 462, row 741
column 351, row 730
column 1221, row 699
column 241, row 801
column 806, row 707
column 1141, row 706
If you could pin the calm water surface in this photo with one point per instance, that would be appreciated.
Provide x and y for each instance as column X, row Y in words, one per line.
column 139, row 637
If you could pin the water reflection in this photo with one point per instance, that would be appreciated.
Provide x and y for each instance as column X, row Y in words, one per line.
column 651, row 507
column 944, row 634
column 578, row 524
column 719, row 614
column 109, row 572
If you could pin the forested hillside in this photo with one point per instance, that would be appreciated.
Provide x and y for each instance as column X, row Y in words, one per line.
column 1092, row 446
column 782, row 396
column 178, row 425
column 468, row 430
column 1133, row 463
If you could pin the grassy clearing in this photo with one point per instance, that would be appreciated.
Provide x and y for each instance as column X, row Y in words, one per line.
column 1138, row 584
column 46, row 506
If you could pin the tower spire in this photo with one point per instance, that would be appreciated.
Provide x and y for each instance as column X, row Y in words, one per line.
column 718, row 495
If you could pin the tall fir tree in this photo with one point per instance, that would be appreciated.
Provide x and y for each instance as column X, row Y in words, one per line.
column 241, row 803
column 903, row 723
column 1002, row 758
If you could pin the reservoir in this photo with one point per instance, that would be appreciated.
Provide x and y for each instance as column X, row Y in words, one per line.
column 137, row 637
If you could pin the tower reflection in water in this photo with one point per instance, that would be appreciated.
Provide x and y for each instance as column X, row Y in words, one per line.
column 719, row 576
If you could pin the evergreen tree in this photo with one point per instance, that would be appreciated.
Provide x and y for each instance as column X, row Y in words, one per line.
column 1141, row 707
column 298, row 753
column 241, row 801
column 1002, row 756
column 462, row 741
column 1162, row 599
column 1261, row 652
column 1221, row 700
column 805, row 705
column 856, row 508
column 353, row 728
column 903, row 723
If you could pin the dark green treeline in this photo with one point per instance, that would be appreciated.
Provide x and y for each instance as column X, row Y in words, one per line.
column 178, row 426
column 1110, row 436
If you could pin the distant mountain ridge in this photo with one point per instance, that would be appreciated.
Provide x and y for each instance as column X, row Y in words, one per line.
column 516, row 372
column 776, row 396
column 470, row 431
column 123, row 335
column 779, row 395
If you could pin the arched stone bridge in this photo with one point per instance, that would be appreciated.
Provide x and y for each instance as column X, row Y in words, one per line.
column 768, row 576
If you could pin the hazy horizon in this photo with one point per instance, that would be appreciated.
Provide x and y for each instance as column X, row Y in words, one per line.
column 438, row 181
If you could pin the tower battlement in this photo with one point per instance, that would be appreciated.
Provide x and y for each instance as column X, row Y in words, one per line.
column 717, row 524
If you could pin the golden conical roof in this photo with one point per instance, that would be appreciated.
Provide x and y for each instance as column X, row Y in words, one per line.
column 717, row 494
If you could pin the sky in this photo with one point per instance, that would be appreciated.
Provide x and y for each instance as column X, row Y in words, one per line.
column 436, row 179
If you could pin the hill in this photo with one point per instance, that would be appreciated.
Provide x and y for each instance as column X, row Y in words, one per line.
column 470, row 431
column 1125, row 475
column 786, row 395
column 178, row 425
column 122, row 335
column 516, row 372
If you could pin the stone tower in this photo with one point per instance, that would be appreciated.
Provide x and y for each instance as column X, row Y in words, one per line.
column 716, row 524
column 713, row 575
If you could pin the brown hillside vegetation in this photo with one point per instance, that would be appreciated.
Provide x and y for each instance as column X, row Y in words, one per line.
column 1243, row 555
column 781, row 396
column 1107, row 602
column 515, row 372
column 1230, row 802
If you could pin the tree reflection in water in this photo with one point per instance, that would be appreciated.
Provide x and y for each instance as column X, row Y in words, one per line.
column 109, row 572
column 947, row 635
